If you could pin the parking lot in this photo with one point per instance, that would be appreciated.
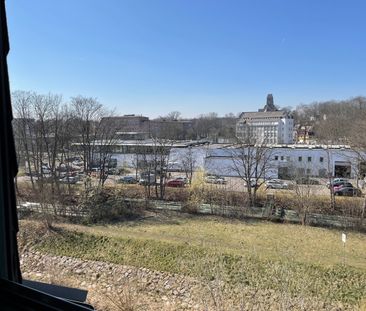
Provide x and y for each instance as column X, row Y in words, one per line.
column 231, row 184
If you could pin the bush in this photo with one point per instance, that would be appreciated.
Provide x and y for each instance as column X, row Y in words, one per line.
column 345, row 206
column 106, row 206
column 197, row 193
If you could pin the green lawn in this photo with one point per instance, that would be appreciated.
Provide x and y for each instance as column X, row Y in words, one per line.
column 301, row 260
column 263, row 239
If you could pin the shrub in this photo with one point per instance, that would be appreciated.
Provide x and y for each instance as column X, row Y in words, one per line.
column 105, row 206
column 197, row 191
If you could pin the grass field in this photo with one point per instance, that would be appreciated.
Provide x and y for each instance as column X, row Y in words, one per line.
column 302, row 261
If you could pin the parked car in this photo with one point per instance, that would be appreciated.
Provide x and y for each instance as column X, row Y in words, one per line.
column 147, row 182
column 215, row 180
column 276, row 184
column 112, row 171
column 46, row 170
column 175, row 183
column 147, row 179
column 71, row 174
column 182, row 178
column 336, row 180
column 339, row 184
column 66, row 168
column 127, row 180
column 74, row 159
column 342, row 185
column 77, row 162
column 69, row 180
column 348, row 191
column 112, row 163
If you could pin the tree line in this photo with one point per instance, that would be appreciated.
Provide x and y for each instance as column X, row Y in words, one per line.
column 50, row 132
column 51, row 135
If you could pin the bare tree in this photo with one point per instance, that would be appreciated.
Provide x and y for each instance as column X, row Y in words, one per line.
column 38, row 133
column 87, row 114
column 207, row 126
column 189, row 164
column 23, row 125
column 339, row 116
column 358, row 145
column 250, row 161
column 161, row 151
column 173, row 115
column 146, row 166
column 107, row 138
column 167, row 128
column 303, row 191
column 329, row 134
column 37, row 130
column 47, row 109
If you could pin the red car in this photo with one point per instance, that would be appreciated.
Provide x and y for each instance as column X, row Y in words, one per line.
column 175, row 183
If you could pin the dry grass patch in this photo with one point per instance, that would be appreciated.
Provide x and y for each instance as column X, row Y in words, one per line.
column 300, row 261
column 263, row 239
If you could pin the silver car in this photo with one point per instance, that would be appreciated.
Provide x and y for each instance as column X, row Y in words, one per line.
column 276, row 184
column 215, row 180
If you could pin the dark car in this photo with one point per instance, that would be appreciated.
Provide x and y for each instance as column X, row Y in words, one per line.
column 112, row 171
column 175, row 183
column 336, row 180
column 127, row 180
column 342, row 185
column 337, row 185
column 112, row 163
column 68, row 180
column 348, row 191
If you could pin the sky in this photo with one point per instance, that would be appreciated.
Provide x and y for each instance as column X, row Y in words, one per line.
column 151, row 57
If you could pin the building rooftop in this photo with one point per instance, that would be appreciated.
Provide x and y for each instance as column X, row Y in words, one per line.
column 263, row 115
column 299, row 146
column 149, row 143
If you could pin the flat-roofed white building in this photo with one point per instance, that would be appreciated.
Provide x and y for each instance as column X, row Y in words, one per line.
column 296, row 160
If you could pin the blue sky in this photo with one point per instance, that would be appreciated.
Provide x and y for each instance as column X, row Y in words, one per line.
column 196, row 56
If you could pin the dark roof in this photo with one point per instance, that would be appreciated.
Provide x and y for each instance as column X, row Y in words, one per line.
column 260, row 115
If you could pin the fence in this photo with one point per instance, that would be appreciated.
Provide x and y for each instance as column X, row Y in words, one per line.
column 266, row 213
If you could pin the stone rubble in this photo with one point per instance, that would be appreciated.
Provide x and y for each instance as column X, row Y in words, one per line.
column 151, row 290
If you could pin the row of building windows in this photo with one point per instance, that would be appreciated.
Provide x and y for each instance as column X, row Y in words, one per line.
column 321, row 159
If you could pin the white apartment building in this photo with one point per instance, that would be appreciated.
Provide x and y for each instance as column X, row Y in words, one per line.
column 267, row 126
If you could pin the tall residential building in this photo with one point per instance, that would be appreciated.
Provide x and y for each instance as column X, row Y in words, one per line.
column 269, row 125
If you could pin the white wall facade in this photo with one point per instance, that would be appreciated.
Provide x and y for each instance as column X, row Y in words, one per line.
column 285, row 131
column 175, row 159
column 267, row 130
column 311, row 161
